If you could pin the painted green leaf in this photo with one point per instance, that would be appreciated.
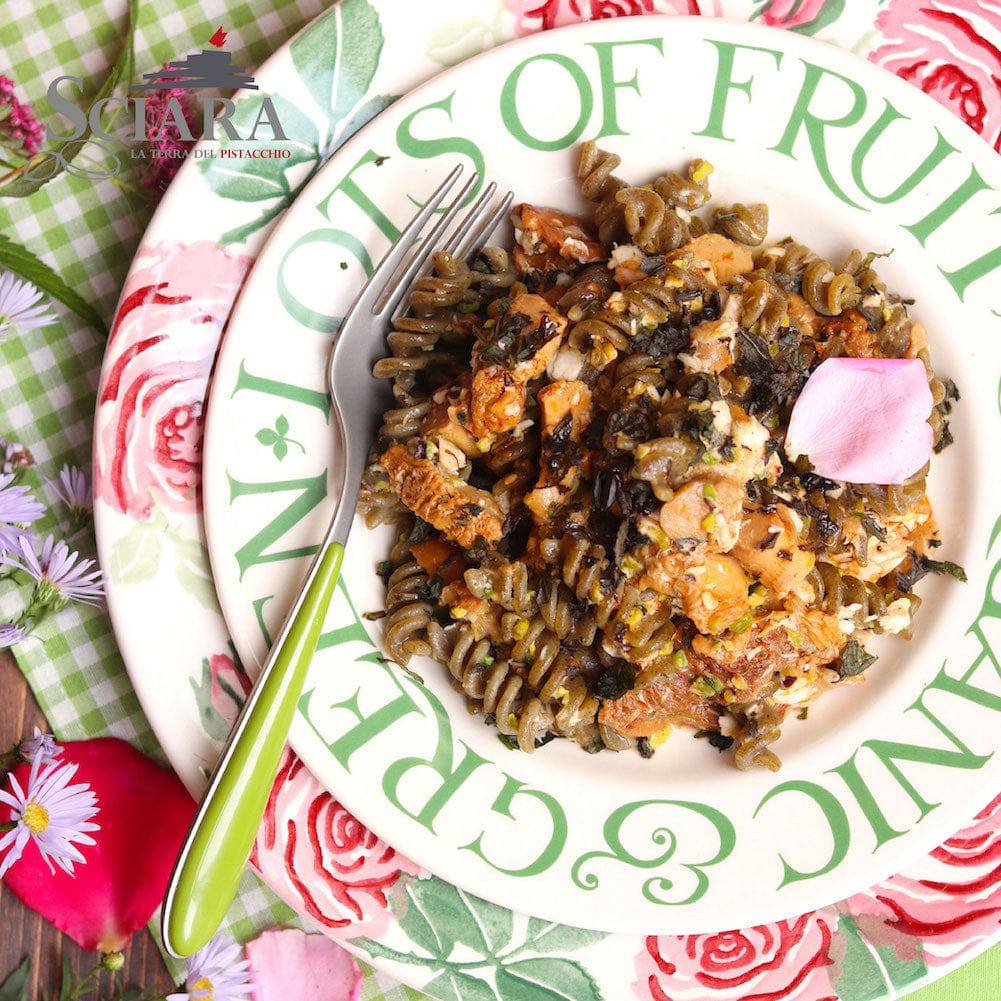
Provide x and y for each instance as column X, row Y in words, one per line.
column 454, row 985
column 547, row 936
column 859, row 977
column 266, row 436
column 212, row 722
column 457, row 916
column 828, row 14
column 546, row 979
column 280, row 449
column 20, row 260
column 338, row 57
column 416, row 923
column 191, row 564
column 15, row 987
column 135, row 557
column 281, row 425
column 363, row 115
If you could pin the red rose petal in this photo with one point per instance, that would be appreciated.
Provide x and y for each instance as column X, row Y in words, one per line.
column 144, row 816
column 291, row 964
column 864, row 420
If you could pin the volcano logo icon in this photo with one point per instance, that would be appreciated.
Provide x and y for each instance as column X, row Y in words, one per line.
column 210, row 68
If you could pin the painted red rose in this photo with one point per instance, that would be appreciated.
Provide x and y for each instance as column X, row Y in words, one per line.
column 541, row 15
column 230, row 686
column 148, row 435
column 786, row 961
column 323, row 861
column 793, row 13
column 948, row 48
column 948, row 904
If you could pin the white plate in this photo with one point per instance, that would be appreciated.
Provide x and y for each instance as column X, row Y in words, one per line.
column 682, row 842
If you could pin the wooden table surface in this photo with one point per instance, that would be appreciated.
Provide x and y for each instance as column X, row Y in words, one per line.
column 24, row 933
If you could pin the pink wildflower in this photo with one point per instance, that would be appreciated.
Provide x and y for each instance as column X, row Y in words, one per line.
column 166, row 147
column 20, row 130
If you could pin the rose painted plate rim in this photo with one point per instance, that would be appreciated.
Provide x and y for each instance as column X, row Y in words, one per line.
column 139, row 589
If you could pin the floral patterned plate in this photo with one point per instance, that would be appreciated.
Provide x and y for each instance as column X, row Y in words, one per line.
column 311, row 851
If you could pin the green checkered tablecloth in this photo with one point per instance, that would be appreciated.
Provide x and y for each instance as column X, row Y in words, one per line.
column 88, row 231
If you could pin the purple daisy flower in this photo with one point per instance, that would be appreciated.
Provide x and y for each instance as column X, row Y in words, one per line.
column 52, row 813
column 217, row 972
column 21, row 308
column 11, row 633
column 61, row 575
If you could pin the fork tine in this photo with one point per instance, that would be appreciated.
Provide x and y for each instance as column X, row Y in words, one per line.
column 394, row 257
column 476, row 239
column 427, row 247
column 399, row 299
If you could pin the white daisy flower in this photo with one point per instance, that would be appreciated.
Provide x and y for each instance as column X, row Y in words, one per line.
column 62, row 576
column 21, row 308
column 52, row 813
column 41, row 743
column 218, row 972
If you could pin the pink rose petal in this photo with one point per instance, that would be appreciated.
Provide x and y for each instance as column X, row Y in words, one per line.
column 291, row 964
column 144, row 816
column 864, row 420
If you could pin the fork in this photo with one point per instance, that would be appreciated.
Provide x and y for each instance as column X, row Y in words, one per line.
column 211, row 861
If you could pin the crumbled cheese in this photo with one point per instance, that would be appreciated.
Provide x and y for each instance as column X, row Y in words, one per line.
column 577, row 249
column 566, row 364
column 722, row 418
column 897, row 616
column 623, row 254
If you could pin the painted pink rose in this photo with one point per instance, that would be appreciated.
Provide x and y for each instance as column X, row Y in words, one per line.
column 786, row 961
column 230, row 686
column 942, row 47
column 322, row 861
column 148, row 435
column 948, row 905
column 541, row 15
column 792, row 13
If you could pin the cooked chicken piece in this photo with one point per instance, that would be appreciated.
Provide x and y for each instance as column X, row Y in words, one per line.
column 667, row 700
column 542, row 317
column 497, row 402
column 747, row 458
column 560, row 398
column 919, row 339
column 482, row 615
column 449, row 417
column 439, row 558
column 910, row 530
column 790, row 643
column 726, row 258
column 801, row 314
column 461, row 512
column 706, row 509
column 711, row 587
column 853, row 327
column 713, row 343
column 769, row 548
column 547, row 240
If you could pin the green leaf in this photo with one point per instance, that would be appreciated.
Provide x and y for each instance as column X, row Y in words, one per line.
column 857, row 977
column 547, row 936
column 829, row 13
column 266, row 436
column 281, row 425
column 22, row 187
column 129, row 994
column 23, row 262
column 15, row 987
column 854, row 660
column 135, row 557
column 337, row 58
column 546, row 979
column 362, row 116
column 454, row 985
column 67, row 984
column 280, row 449
column 191, row 564
column 418, row 921
column 457, row 916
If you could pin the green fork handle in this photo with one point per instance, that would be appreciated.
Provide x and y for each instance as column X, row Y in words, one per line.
column 210, row 865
